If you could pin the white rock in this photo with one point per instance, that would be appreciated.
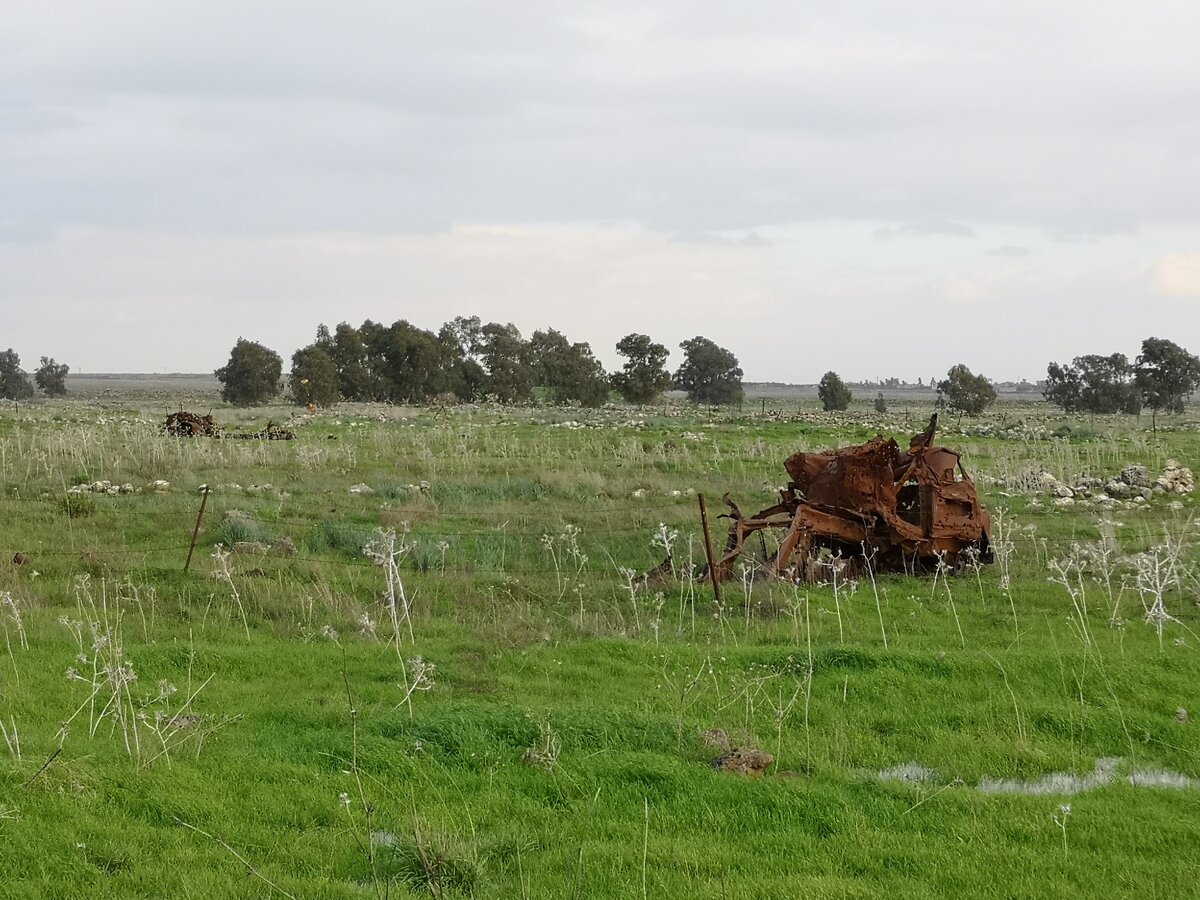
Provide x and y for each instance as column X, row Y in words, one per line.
column 363, row 489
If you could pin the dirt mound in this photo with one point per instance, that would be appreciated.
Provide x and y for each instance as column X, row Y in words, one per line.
column 744, row 761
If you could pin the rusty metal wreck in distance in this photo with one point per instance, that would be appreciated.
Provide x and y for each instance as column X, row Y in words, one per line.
column 868, row 505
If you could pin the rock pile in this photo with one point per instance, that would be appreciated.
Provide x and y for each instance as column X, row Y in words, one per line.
column 102, row 487
column 1133, row 484
column 108, row 487
column 1175, row 479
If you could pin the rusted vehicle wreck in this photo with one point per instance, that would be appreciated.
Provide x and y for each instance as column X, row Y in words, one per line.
column 186, row 424
column 871, row 505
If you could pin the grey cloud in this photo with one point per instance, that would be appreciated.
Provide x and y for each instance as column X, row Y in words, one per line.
column 273, row 117
column 1011, row 251
column 1093, row 229
column 749, row 239
column 926, row 229
column 233, row 126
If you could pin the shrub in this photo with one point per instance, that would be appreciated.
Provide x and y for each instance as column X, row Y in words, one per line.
column 243, row 530
column 833, row 392
column 341, row 536
column 77, row 506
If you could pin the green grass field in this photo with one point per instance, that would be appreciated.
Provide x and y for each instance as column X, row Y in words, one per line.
column 526, row 720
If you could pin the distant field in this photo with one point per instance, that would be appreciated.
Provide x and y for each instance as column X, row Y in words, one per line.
column 508, row 712
column 200, row 386
column 142, row 387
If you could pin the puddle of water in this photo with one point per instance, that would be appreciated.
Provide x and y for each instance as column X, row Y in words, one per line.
column 908, row 773
column 1160, row 778
column 1054, row 784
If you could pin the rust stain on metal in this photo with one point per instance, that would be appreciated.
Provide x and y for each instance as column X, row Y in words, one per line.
column 869, row 505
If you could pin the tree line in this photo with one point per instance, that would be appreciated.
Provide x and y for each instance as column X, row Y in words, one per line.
column 467, row 360
column 50, row 377
column 1161, row 379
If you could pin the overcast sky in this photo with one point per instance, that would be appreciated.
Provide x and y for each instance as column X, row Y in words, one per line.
column 878, row 188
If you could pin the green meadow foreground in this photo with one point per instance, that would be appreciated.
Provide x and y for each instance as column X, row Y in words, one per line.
column 412, row 657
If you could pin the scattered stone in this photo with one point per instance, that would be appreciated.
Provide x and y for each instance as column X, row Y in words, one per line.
column 284, row 546
column 744, row 761
column 364, row 489
column 1175, row 479
column 1133, row 482
column 160, row 486
column 716, row 737
column 1181, row 716
column 102, row 487
column 19, row 559
column 1118, row 489
column 1135, row 476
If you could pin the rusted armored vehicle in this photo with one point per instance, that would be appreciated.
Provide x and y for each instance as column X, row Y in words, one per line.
column 870, row 505
column 186, row 424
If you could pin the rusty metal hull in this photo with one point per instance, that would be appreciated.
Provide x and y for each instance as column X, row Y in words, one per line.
column 869, row 505
column 186, row 424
